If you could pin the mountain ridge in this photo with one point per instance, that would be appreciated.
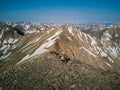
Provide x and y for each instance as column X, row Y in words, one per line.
column 66, row 40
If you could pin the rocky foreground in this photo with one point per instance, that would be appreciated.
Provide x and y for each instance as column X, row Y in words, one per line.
column 48, row 73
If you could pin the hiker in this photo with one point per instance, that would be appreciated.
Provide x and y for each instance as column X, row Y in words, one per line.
column 64, row 59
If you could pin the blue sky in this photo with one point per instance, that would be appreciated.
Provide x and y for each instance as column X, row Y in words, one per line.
column 61, row 11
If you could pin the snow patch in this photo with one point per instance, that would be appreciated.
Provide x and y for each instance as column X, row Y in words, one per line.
column 6, row 49
column 26, row 27
column 24, row 58
column 80, row 35
column 110, row 59
column 1, row 34
column 37, row 39
column 106, row 36
column 42, row 28
column 113, row 51
column 40, row 50
column 85, row 37
column 14, row 25
column 80, row 48
column 89, row 52
column 69, row 38
column 10, row 40
column 5, row 41
column 32, row 31
column 108, row 64
column 15, row 40
column 7, row 28
column 5, row 56
column 102, row 53
column 13, row 46
column 93, row 42
column 70, row 30
column 56, row 34
column 116, row 35
column 3, row 47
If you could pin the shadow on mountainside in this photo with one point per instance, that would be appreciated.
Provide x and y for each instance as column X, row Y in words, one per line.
column 48, row 73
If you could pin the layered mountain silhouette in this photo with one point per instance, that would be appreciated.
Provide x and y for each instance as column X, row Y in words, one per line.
column 28, row 48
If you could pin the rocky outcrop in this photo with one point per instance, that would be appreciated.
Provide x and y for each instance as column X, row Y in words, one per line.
column 47, row 72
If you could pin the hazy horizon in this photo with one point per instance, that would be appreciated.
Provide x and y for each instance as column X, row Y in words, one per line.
column 61, row 11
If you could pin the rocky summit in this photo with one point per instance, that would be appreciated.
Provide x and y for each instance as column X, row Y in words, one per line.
column 30, row 57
